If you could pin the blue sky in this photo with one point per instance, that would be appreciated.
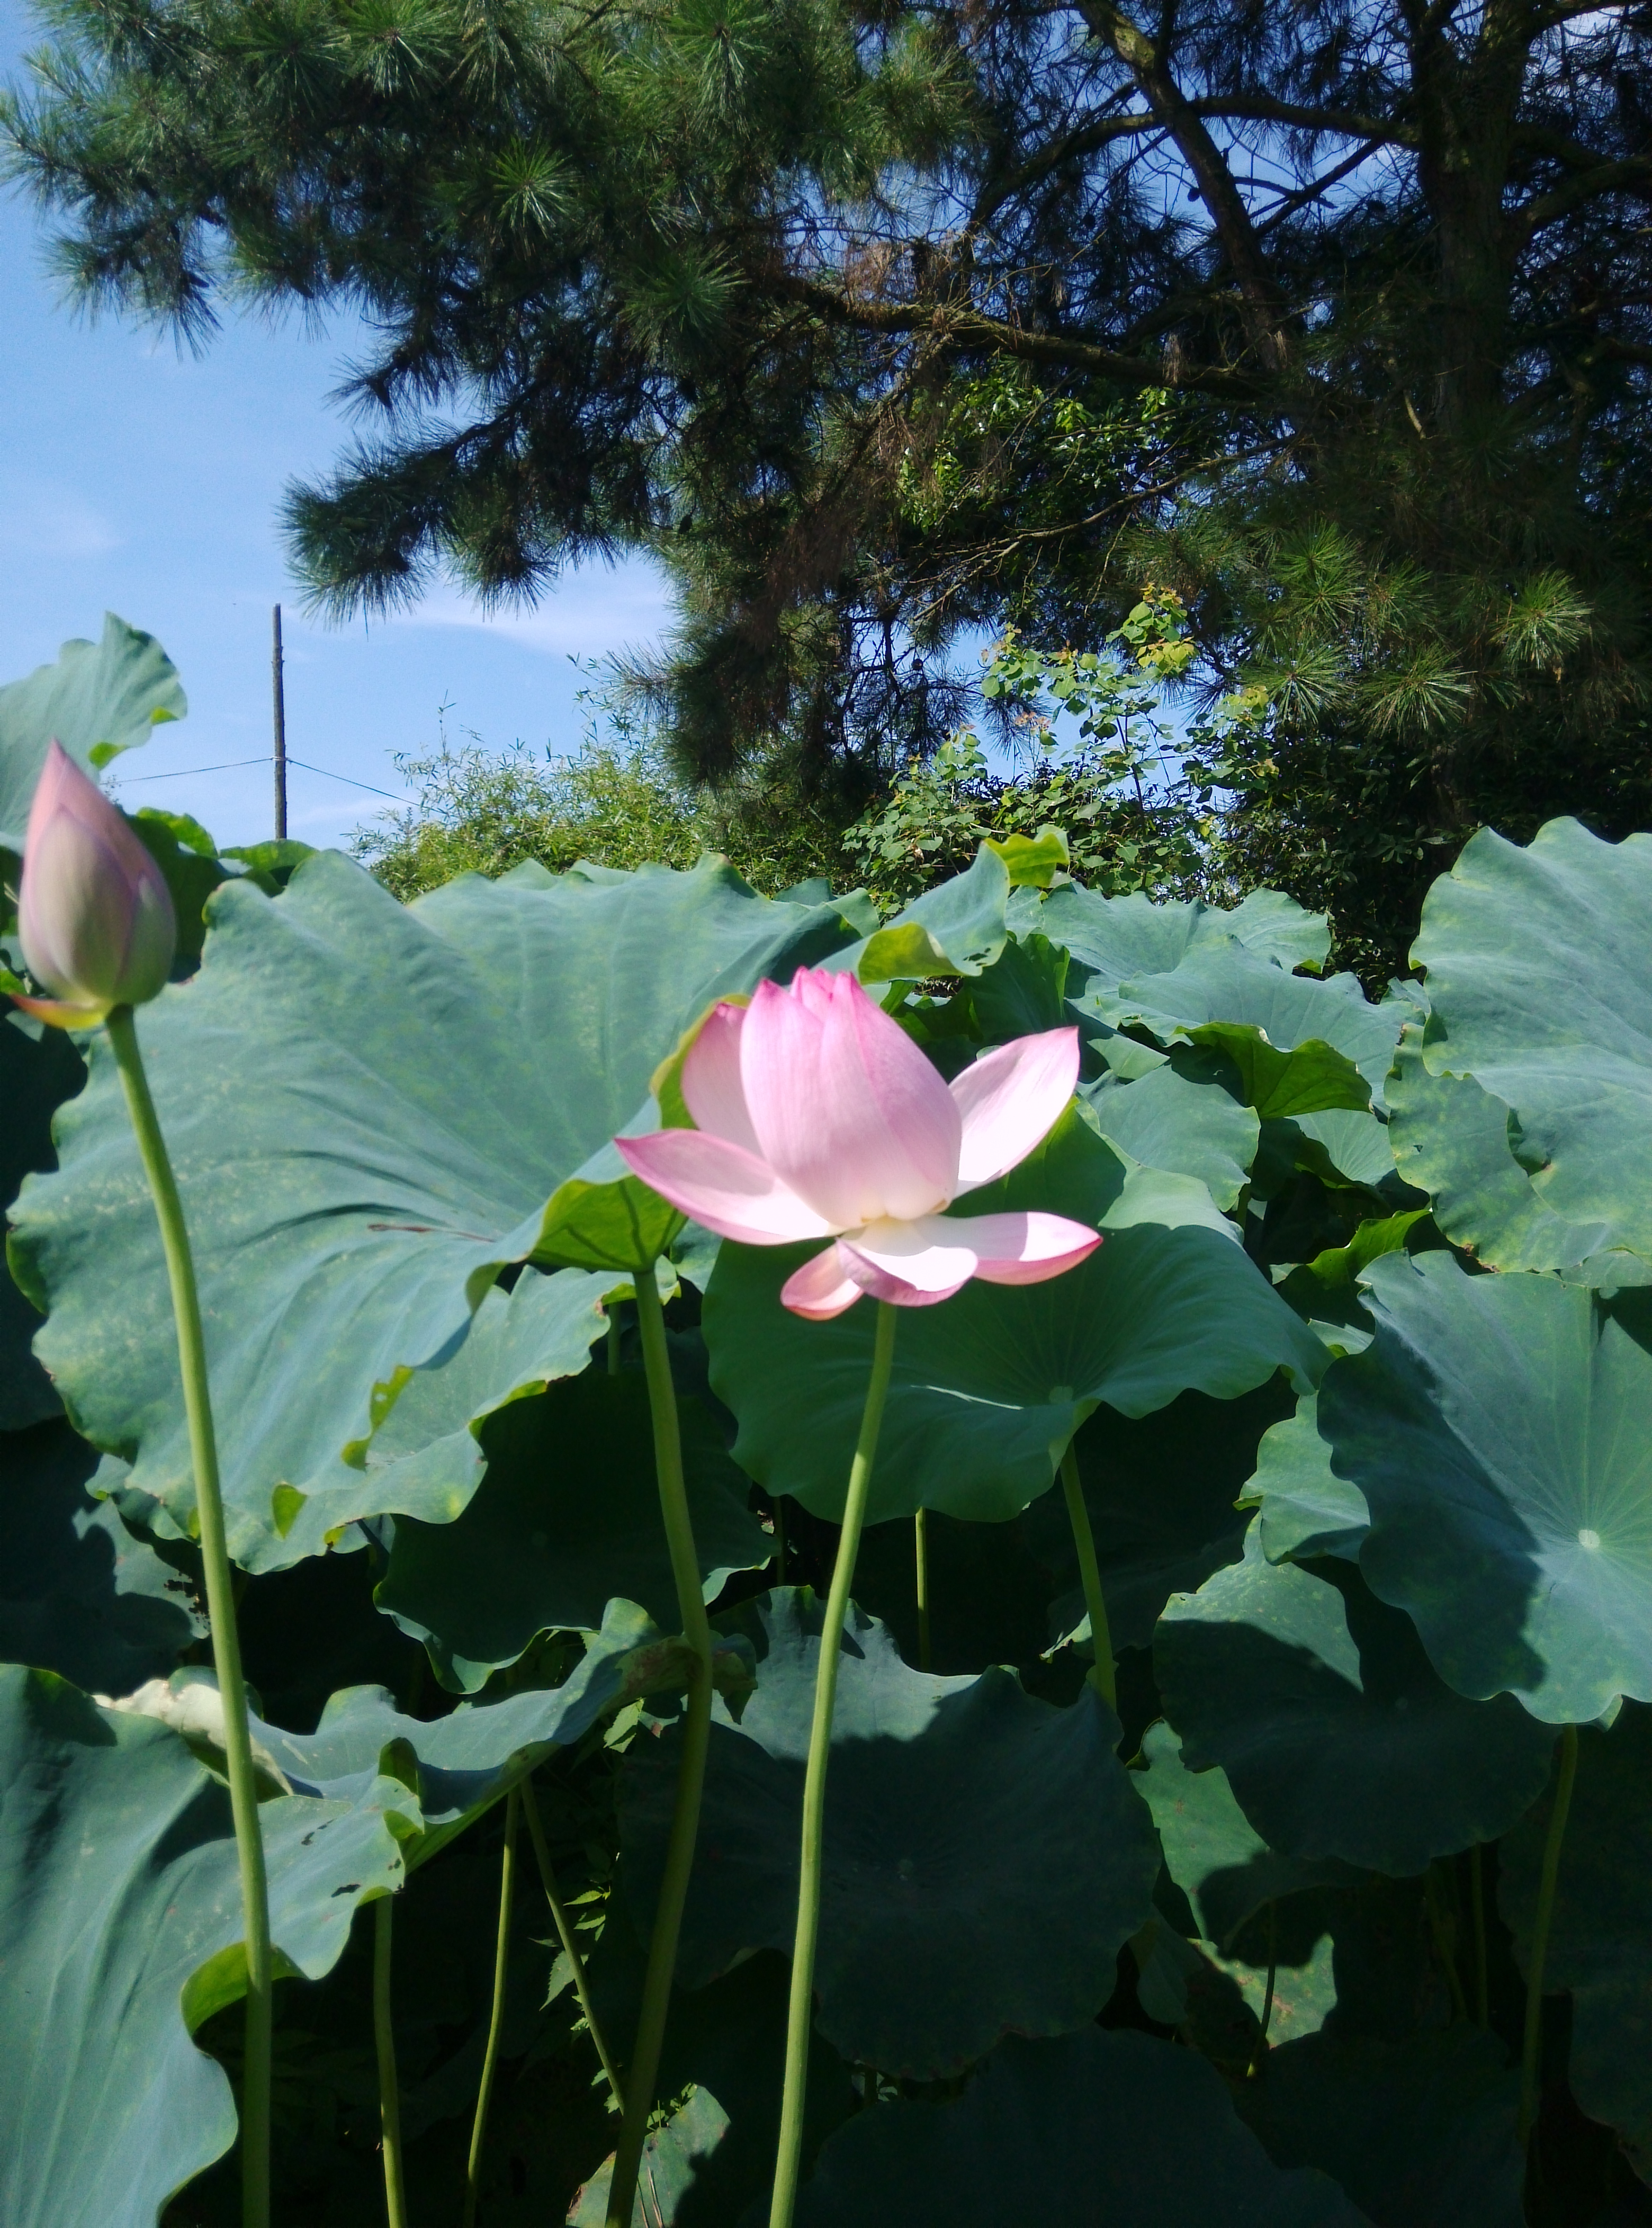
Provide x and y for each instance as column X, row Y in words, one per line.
column 137, row 480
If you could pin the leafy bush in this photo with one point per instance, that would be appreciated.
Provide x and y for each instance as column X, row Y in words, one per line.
column 1292, row 1871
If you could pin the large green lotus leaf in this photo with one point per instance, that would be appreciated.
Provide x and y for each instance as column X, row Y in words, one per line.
column 1539, row 980
column 1160, row 1490
column 1454, row 1141
column 1121, row 937
column 726, row 2044
column 1098, row 2127
column 1022, row 993
column 567, row 1518
column 1169, row 1119
column 79, row 1594
column 1337, row 1737
column 957, row 928
column 1420, row 2133
column 372, row 1109
column 1223, row 986
column 423, row 1457
column 40, row 1069
column 1306, row 1509
column 1600, row 1939
column 986, row 1854
column 1343, row 1145
column 988, row 1387
column 99, row 699
column 1496, row 1428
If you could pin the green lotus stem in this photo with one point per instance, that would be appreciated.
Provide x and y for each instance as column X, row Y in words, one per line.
column 496, row 2017
column 1261, row 2045
column 566, row 1935
column 779, row 1538
column 384, row 2038
column 644, row 2066
column 220, row 1607
column 1477, row 1892
column 800, row 2010
column 1548, row 1881
column 1102, row 1675
column 921, row 1553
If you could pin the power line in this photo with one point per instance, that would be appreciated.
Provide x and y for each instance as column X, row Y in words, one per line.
column 228, row 766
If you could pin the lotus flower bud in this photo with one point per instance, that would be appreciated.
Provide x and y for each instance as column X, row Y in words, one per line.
column 95, row 916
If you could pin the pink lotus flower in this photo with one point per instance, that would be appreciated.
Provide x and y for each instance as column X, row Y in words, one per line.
column 94, row 915
column 819, row 1117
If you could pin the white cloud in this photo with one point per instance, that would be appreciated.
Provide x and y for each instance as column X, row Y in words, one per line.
column 589, row 614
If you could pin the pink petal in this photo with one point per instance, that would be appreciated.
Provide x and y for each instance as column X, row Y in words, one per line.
column 94, row 916
column 1010, row 1100
column 848, row 1112
column 916, row 1263
column 820, row 1290
column 711, row 1080
column 727, row 1188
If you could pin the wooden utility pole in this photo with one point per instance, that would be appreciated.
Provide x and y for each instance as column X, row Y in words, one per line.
column 278, row 691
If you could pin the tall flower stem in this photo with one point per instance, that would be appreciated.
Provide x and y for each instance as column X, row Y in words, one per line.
column 566, row 1935
column 800, row 2012
column 497, row 2016
column 641, row 2074
column 220, row 1607
column 395, row 2191
column 1548, row 1881
column 1101, row 1676
column 920, row 1555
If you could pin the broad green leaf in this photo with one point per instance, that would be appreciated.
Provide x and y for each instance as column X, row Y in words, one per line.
column 99, row 699
column 1033, row 861
column 1336, row 1736
column 1095, row 2126
column 1539, row 980
column 187, row 859
column 1022, row 993
column 957, row 928
column 1116, row 937
column 1420, row 2133
column 988, row 1387
column 1455, row 1141
column 1216, row 1857
column 79, row 1594
column 1175, row 1119
column 986, row 1854
column 1312, row 1078
column 1328, row 1282
column 1218, row 2002
column 1160, row 1490
column 372, row 1109
column 567, row 1518
column 1306, row 1509
column 1600, row 1937
column 40, row 1069
column 1226, row 988
column 1496, row 1428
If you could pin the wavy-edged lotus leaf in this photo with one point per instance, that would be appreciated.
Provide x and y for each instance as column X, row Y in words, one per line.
column 79, row 1594
column 1116, row 937
column 1189, row 1124
column 188, row 858
column 371, row 1107
column 1325, row 1290
column 988, row 1387
column 39, row 1070
column 728, row 2043
column 120, row 1918
column 1454, row 1141
column 986, row 1854
column 1339, row 1146
column 1420, row 2133
column 1100, row 2126
column 1022, row 993
column 957, row 928
column 1311, row 1078
column 1216, row 1857
column 100, row 697
column 567, row 1518
column 1497, row 1427
column 1305, row 1508
column 1160, row 1492
column 1600, row 1937
column 1219, row 2003
column 1224, row 989
column 1539, row 980
column 1337, row 1737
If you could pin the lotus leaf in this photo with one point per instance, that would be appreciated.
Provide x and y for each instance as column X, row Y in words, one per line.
column 1306, row 1509
column 986, row 1854
column 1180, row 1121
column 99, row 699
column 1121, row 937
column 40, row 1069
